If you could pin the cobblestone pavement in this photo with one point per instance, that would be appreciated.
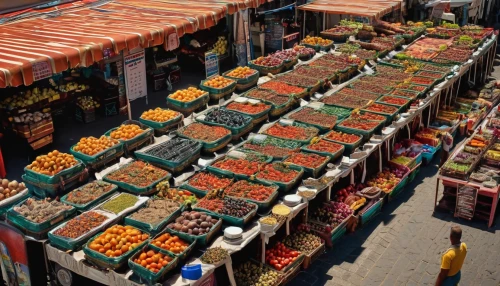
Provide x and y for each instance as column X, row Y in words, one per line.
column 404, row 243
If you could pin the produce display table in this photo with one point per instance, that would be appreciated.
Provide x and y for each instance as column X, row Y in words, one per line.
column 487, row 192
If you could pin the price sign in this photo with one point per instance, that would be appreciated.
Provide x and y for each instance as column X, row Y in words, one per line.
column 466, row 202
column 41, row 70
column 211, row 64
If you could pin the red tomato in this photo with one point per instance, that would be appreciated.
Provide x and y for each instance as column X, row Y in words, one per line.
column 278, row 267
column 286, row 262
column 274, row 262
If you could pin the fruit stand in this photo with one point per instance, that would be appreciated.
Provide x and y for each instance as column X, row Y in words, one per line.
column 299, row 164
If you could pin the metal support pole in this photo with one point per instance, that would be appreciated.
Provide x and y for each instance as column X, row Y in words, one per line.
column 304, row 25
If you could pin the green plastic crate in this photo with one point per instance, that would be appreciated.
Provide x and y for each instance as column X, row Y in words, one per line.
column 225, row 173
column 231, row 220
column 285, row 186
column 57, row 178
column 199, row 192
column 401, row 107
column 150, row 228
column 348, row 147
column 25, row 224
column 305, row 141
column 371, row 212
column 208, row 146
column 44, row 190
column 183, row 255
column 367, row 134
column 134, row 189
column 171, row 166
column 105, row 262
column 91, row 204
column 202, row 240
column 321, row 128
column 234, row 130
column 75, row 243
column 399, row 188
column 131, row 143
column 197, row 103
column 148, row 276
column 162, row 125
column 114, row 151
column 251, row 78
column 312, row 172
column 263, row 205
column 6, row 205
column 332, row 156
column 263, row 70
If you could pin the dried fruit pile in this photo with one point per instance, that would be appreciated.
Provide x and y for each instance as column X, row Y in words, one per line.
column 159, row 114
column 291, row 132
column 313, row 116
column 307, row 160
column 281, row 256
column 52, row 163
column 247, row 166
column 204, row 132
column 39, row 211
column 325, row 146
column 81, row 224
column 171, row 243
column 155, row 211
column 152, row 260
column 345, row 101
column 227, row 118
column 187, row 95
column 208, row 181
column 282, row 88
column 137, row 173
column 126, row 132
column 118, row 240
column 91, row 145
column 194, row 223
column 218, row 82
column 359, row 124
column 298, row 80
column 343, row 137
column 89, row 192
column 254, row 191
column 382, row 108
column 175, row 150
column 268, row 96
column 120, row 203
column 248, row 107
column 278, row 172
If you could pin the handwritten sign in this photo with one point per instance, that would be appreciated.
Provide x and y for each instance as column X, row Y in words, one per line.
column 466, row 202
column 41, row 70
column 135, row 75
column 211, row 64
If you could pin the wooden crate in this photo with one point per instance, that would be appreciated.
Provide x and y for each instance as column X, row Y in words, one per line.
column 42, row 142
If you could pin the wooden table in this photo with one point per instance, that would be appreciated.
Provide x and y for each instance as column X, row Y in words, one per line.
column 488, row 192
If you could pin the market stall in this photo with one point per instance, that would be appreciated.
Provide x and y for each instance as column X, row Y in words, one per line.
column 308, row 155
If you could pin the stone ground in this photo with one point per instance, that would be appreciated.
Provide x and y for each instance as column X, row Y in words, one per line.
column 404, row 243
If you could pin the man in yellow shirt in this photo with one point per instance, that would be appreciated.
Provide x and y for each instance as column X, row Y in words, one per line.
column 452, row 260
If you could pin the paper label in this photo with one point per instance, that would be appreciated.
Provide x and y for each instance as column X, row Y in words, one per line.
column 368, row 70
column 259, row 138
column 316, row 105
column 236, row 154
column 303, row 102
column 201, row 117
column 286, row 122
column 372, row 63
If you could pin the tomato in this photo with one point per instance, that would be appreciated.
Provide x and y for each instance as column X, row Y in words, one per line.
column 286, row 262
column 274, row 262
column 278, row 267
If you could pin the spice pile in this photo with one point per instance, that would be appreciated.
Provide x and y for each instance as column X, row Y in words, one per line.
column 89, row 192
column 81, row 224
column 120, row 203
column 39, row 211
column 155, row 211
column 137, row 173
column 204, row 132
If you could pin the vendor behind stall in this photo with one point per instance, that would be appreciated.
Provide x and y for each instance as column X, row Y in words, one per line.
column 447, row 141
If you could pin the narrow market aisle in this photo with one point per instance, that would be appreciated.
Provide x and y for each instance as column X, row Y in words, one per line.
column 403, row 245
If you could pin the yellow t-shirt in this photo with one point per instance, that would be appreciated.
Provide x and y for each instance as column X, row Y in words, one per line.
column 454, row 258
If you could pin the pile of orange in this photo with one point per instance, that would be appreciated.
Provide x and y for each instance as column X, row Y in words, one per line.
column 52, row 163
column 218, row 82
column 152, row 260
column 159, row 114
column 186, row 95
column 91, row 145
column 171, row 243
column 126, row 131
column 118, row 240
column 316, row 41
column 241, row 72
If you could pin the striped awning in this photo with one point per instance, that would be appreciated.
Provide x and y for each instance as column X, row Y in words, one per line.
column 362, row 8
column 34, row 43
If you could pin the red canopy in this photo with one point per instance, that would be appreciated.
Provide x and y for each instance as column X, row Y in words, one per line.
column 363, row 8
column 76, row 34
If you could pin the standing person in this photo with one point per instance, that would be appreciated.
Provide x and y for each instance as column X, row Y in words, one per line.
column 452, row 260
column 447, row 141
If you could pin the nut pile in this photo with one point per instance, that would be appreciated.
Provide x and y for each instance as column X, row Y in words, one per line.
column 250, row 274
column 214, row 255
column 302, row 241
column 156, row 211
column 194, row 223
column 89, row 192
column 39, row 211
